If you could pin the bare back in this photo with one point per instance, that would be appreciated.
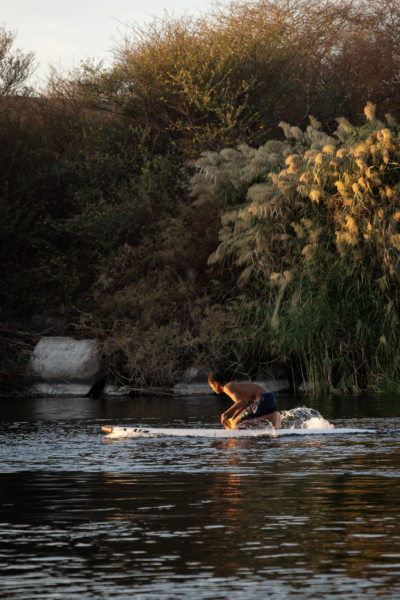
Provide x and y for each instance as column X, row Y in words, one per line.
column 248, row 392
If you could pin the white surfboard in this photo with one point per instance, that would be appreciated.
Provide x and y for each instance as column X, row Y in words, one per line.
column 268, row 431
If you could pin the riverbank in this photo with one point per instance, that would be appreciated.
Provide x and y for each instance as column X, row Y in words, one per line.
column 67, row 367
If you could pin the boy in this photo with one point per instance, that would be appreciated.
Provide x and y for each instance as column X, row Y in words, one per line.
column 250, row 400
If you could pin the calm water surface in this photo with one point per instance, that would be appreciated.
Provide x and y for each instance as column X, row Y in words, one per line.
column 196, row 518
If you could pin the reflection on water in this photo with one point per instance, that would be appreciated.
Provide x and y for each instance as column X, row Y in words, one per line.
column 195, row 518
column 102, row 531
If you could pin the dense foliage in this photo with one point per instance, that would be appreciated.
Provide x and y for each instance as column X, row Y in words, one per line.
column 104, row 224
column 316, row 245
column 233, row 75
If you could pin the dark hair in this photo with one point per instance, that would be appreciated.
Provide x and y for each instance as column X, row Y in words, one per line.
column 216, row 377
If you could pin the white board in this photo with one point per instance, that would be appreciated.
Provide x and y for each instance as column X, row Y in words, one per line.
column 131, row 432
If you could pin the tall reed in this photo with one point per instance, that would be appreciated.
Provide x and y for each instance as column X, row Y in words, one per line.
column 315, row 244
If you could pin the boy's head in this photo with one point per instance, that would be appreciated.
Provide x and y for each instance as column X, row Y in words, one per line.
column 216, row 381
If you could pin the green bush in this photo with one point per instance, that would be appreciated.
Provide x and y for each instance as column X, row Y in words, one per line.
column 315, row 245
column 230, row 77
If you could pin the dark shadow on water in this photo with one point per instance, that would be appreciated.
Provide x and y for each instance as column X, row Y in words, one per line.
column 202, row 408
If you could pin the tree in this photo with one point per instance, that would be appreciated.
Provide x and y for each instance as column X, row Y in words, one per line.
column 16, row 66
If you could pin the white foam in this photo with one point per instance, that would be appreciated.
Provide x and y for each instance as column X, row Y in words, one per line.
column 303, row 417
column 318, row 423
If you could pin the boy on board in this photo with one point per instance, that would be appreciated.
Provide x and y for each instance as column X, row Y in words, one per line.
column 250, row 400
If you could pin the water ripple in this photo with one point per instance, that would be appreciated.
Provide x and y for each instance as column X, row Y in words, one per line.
column 196, row 518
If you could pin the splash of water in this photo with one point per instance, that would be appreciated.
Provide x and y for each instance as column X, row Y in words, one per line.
column 303, row 417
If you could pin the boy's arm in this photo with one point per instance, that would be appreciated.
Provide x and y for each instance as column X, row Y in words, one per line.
column 237, row 407
column 238, row 403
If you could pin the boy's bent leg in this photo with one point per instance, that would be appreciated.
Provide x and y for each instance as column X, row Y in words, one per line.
column 275, row 419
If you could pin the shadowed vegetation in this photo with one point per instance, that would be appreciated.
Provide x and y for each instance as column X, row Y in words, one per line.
column 108, row 215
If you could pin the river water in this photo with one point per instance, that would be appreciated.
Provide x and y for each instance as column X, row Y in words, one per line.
column 83, row 516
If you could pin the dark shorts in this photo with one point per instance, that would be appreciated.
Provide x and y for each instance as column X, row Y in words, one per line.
column 264, row 405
